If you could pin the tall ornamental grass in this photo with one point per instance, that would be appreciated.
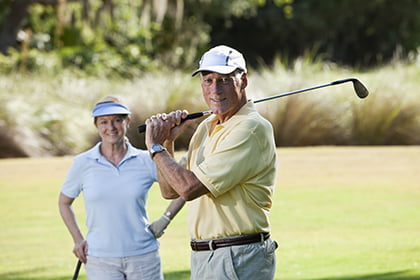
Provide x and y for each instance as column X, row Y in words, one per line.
column 49, row 114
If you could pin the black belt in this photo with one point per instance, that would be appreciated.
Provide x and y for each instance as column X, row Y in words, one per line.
column 228, row 241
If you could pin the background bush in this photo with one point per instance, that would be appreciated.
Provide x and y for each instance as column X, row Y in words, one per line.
column 58, row 57
column 50, row 115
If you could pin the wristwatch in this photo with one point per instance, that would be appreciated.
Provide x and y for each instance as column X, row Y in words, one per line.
column 156, row 148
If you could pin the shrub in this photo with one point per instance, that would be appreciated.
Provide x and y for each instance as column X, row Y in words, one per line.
column 49, row 114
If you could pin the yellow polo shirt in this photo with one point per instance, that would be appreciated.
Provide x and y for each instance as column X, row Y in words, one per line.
column 236, row 161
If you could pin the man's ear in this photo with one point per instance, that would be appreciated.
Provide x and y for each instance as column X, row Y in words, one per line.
column 244, row 80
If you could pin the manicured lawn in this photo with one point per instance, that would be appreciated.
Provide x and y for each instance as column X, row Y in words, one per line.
column 339, row 213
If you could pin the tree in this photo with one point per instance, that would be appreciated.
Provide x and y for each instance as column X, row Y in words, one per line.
column 356, row 32
column 127, row 37
column 13, row 21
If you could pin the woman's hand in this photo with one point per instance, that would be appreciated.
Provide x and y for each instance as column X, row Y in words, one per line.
column 80, row 250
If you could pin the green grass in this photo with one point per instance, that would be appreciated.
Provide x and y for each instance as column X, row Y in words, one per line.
column 339, row 213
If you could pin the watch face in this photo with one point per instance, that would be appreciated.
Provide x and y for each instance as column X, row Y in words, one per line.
column 157, row 148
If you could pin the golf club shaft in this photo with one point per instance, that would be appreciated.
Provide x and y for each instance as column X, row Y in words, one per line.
column 361, row 91
column 303, row 90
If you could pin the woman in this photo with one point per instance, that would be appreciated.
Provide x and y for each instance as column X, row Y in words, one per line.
column 115, row 179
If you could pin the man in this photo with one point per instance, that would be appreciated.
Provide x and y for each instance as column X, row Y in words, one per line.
column 227, row 175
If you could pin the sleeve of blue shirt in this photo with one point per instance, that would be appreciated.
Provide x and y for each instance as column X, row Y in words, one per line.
column 72, row 186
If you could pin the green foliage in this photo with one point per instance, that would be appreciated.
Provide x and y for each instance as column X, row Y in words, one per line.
column 139, row 36
column 35, row 61
column 4, row 9
column 9, row 63
column 357, row 33
column 42, row 21
column 117, row 45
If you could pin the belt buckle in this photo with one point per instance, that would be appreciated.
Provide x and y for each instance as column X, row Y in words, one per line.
column 211, row 244
column 262, row 238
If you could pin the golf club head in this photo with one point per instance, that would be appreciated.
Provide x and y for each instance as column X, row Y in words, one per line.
column 360, row 89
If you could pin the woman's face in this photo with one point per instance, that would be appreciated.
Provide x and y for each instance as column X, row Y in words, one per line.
column 113, row 128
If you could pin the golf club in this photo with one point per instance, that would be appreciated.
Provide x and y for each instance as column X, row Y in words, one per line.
column 359, row 88
column 76, row 271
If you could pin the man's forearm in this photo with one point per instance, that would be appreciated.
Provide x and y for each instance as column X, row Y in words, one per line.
column 176, row 180
column 168, row 173
column 166, row 189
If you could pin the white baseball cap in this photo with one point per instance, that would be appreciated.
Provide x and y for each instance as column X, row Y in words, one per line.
column 221, row 59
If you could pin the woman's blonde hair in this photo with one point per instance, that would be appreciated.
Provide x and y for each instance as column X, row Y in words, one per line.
column 110, row 99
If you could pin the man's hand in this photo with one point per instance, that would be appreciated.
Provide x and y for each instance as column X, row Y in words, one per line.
column 163, row 128
column 178, row 125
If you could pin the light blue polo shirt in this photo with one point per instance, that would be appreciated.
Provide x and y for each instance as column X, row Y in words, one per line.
column 115, row 201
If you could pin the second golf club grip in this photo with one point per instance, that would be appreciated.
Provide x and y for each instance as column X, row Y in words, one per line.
column 77, row 270
column 142, row 128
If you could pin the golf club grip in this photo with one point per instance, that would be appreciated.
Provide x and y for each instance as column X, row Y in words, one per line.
column 76, row 271
column 142, row 128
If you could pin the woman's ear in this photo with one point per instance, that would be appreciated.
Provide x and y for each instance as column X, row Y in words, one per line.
column 128, row 120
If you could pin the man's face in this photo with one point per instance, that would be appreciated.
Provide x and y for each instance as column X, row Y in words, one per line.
column 224, row 94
